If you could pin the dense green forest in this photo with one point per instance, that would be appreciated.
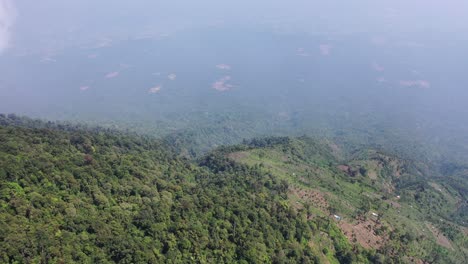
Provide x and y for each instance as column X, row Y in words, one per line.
column 77, row 194
column 91, row 196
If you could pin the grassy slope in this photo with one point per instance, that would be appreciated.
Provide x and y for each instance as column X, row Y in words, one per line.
column 370, row 184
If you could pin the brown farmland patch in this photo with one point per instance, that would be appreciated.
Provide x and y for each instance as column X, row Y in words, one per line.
column 363, row 233
column 441, row 239
column 314, row 197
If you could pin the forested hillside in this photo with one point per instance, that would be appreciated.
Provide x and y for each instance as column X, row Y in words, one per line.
column 92, row 196
column 72, row 194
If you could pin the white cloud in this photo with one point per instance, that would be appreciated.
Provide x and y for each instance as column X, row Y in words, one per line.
column 154, row 90
column 172, row 76
column 223, row 66
column 415, row 83
column 377, row 67
column 381, row 80
column 302, row 52
column 325, row 49
column 7, row 19
column 222, row 84
column 378, row 40
column 112, row 75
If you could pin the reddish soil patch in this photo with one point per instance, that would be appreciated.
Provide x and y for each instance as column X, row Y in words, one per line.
column 336, row 150
column 316, row 198
column 348, row 170
column 363, row 233
column 344, row 168
column 440, row 238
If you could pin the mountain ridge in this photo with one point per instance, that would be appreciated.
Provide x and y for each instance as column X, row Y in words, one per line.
column 77, row 194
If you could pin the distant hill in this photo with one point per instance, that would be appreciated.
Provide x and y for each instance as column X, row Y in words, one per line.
column 196, row 83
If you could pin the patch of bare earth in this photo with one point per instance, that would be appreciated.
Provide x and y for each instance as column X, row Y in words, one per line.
column 314, row 197
column 394, row 204
column 396, row 168
column 336, row 150
column 238, row 156
column 417, row 261
column 344, row 168
column 465, row 230
column 388, row 187
column 436, row 186
column 440, row 238
column 372, row 174
column 363, row 233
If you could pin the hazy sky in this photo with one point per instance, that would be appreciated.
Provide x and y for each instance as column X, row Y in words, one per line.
column 55, row 51
column 7, row 19
column 56, row 23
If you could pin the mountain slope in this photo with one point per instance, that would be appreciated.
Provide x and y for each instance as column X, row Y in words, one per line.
column 71, row 194
column 383, row 203
column 74, row 195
